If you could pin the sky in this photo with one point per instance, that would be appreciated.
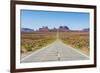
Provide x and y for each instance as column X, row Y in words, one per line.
column 35, row 19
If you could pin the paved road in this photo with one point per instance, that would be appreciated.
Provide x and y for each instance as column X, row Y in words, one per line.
column 57, row 51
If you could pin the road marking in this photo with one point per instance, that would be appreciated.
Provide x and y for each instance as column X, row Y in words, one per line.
column 36, row 51
column 76, row 50
column 58, row 53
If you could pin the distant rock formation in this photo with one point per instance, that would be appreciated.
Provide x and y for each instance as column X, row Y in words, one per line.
column 44, row 29
column 86, row 29
column 63, row 28
column 26, row 30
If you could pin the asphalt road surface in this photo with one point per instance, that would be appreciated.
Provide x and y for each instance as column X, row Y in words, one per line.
column 57, row 51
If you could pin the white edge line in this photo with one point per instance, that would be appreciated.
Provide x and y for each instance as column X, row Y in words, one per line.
column 36, row 51
column 51, row 44
column 76, row 50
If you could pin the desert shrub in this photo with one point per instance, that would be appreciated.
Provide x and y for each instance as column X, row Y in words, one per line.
column 75, row 39
column 34, row 41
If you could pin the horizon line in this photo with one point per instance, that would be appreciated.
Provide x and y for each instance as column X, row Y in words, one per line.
column 55, row 28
